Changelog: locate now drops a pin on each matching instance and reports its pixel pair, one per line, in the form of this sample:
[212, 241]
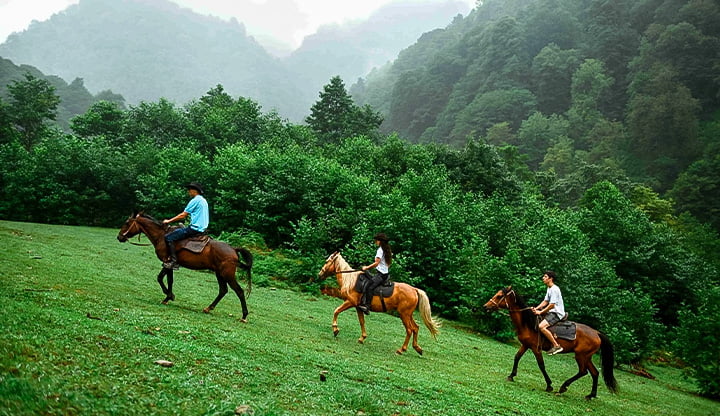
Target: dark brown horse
[405, 299]
[587, 342]
[216, 256]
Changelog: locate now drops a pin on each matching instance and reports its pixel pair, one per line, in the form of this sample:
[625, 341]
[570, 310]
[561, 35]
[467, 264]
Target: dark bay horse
[587, 342]
[405, 299]
[216, 256]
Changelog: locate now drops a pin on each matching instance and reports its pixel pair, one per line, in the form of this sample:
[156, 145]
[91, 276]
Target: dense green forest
[637, 252]
[614, 89]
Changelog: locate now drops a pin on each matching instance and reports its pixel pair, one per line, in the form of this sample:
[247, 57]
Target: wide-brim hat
[196, 186]
[381, 237]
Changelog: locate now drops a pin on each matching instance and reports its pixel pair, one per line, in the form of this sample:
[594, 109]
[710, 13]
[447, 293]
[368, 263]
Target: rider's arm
[176, 218]
[540, 309]
[377, 261]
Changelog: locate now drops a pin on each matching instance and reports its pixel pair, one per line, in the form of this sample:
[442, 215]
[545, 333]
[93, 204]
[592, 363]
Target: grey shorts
[552, 318]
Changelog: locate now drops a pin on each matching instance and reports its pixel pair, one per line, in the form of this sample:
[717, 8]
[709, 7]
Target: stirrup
[171, 265]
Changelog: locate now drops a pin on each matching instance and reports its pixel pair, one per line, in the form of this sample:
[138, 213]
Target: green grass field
[56, 359]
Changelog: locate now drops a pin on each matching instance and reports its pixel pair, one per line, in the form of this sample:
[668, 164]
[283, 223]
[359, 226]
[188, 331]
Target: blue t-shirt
[199, 213]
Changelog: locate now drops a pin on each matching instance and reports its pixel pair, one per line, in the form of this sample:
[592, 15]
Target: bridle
[140, 231]
[507, 304]
[323, 272]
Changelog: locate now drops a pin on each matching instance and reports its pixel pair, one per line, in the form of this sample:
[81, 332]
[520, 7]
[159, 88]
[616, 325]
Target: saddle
[195, 244]
[384, 290]
[564, 329]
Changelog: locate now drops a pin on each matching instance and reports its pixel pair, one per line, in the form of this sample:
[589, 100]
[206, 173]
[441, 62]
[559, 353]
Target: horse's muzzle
[121, 238]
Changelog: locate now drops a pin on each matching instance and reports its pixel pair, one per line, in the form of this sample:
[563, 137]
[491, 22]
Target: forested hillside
[75, 99]
[609, 88]
[152, 49]
[351, 50]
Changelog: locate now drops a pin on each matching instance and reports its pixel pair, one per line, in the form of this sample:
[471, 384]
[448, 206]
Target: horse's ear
[509, 288]
[140, 214]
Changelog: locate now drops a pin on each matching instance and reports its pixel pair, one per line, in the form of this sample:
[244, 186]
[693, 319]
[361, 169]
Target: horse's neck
[341, 266]
[153, 231]
[517, 316]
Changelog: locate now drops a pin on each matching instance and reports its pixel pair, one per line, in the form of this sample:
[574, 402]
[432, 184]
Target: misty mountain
[147, 49]
[353, 49]
[74, 97]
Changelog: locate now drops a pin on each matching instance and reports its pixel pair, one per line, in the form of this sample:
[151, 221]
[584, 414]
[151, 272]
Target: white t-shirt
[382, 267]
[554, 296]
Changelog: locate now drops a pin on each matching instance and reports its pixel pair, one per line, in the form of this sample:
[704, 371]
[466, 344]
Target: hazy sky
[287, 21]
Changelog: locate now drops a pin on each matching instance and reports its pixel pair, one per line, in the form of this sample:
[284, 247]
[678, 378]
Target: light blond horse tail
[432, 324]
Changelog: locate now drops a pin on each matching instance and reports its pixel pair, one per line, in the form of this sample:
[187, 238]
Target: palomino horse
[404, 299]
[587, 342]
[216, 256]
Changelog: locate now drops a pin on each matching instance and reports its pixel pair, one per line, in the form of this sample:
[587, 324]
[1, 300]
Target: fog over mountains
[148, 49]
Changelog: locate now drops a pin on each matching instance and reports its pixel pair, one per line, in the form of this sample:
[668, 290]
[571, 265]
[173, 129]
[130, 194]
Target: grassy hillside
[55, 359]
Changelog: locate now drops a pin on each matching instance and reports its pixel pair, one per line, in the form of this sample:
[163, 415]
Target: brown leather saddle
[195, 244]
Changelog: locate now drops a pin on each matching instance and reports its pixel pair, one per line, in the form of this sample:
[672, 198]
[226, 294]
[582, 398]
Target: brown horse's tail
[607, 354]
[432, 324]
[248, 259]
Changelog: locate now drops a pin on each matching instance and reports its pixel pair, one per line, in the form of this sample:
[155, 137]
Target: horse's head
[501, 300]
[330, 266]
[130, 229]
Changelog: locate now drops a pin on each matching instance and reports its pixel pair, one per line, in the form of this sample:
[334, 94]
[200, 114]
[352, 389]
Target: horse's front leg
[169, 295]
[361, 319]
[541, 365]
[518, 356]
[345, 306]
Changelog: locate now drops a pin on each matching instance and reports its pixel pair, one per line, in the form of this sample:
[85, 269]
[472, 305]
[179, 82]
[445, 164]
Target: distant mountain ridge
[147, 49]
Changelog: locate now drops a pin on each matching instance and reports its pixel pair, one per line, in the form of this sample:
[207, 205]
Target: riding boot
[172, 261]
[365, 303]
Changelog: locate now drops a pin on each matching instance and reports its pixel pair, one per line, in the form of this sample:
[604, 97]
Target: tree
[335, 116]
[32, 104]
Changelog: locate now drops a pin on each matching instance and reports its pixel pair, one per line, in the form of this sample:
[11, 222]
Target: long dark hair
[385, 245]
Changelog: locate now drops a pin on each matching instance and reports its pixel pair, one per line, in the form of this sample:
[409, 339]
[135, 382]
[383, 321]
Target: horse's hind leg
[169, 295]
[410, 329]
[241, 295]
[222, 291]
[582, 370]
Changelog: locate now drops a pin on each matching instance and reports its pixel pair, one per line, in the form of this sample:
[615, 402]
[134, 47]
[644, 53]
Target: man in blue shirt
[199, 214]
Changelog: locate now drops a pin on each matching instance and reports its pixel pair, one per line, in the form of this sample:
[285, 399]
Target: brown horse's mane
[529, 319]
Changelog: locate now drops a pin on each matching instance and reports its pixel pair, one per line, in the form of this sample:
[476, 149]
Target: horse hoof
[550, 389]
[590, 397]
[510, 378]
[563, 389]
[244, 320]
[206, 310]
[361, 341]
[165, 302]
[399, 352]
[419, 350]
[336, 332]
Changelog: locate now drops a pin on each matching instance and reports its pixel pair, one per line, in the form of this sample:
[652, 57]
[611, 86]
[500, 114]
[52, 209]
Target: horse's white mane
[348, 279]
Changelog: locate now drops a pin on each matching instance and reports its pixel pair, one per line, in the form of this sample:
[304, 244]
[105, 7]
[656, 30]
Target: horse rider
[199, 214]
[553, 309]
[383, 260]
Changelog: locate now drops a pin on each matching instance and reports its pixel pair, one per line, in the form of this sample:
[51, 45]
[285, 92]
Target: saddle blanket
[195, 244]
[564, 330]
[385, 289]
